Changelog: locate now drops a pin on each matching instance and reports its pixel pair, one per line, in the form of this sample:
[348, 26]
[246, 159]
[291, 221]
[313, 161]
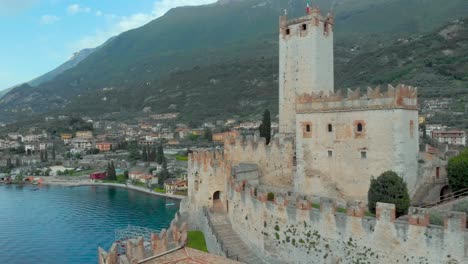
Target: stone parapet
[384, 235]
[401, 97]
[175, 236]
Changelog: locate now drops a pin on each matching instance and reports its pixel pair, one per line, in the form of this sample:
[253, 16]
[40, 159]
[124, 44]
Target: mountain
[218, 60]
[72, 62]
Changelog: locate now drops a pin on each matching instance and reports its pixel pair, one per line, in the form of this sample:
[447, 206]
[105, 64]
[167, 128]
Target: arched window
[288, 31]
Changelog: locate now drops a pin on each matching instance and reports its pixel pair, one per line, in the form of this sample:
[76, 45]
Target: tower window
[288, 31]
[307, 128]
[359, 127]
[330, 153]
[330, 128]
[363, 155]
[304, 26]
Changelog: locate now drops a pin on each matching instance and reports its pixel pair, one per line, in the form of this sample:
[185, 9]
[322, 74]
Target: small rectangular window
[330, 153]
[363, 155]
[330, 128]
[304, 27]
[307, 128]
[288, 31]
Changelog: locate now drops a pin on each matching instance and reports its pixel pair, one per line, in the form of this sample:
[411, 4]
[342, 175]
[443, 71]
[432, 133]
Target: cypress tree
[46, 156]
[145, 154]
[53, 153]
[160, 154]
[265, 127]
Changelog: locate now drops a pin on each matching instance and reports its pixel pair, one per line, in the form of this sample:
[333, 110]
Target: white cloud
[98, 13]
[49, 19]
[75, 9]
[125, 23]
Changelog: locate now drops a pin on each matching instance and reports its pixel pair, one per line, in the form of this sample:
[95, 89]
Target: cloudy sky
[39, 35]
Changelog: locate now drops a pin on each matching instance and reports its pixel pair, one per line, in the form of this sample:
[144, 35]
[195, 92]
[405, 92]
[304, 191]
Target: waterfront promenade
[75, 183]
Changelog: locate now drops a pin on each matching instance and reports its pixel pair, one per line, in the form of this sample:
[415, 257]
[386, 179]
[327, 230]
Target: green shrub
[457, 171]
[389, 188]
[271, 196]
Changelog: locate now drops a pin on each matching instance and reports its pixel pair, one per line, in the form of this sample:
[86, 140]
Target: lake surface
[67, 224]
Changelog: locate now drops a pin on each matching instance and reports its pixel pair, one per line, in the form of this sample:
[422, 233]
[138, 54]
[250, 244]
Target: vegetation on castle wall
[389, 188]
[457, 171]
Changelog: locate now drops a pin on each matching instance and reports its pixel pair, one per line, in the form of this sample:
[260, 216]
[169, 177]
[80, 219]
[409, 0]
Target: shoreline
[120, 185]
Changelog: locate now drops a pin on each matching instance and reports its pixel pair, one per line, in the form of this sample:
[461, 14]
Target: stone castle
[329, 145]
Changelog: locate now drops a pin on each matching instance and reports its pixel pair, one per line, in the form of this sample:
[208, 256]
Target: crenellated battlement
[413, 237]
[204, 158]
[403, 96]
[315, 13]
[249, 145]
[135, 250]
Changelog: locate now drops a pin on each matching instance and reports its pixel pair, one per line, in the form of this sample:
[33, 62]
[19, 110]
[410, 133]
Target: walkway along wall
[289, 230]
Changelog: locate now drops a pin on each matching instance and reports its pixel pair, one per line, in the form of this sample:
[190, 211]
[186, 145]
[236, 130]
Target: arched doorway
[444, 193]
[217, 203]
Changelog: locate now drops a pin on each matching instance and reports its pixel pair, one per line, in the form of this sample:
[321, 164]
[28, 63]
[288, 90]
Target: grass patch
[341, 210]
[314, 205]
[181, 158]
[196, 240]
[160, 190]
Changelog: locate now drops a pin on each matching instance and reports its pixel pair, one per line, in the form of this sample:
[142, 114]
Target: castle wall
[275, 161]
[305, 62]
[341, 143]
[207, 172]
[331, 163]
[289, 230]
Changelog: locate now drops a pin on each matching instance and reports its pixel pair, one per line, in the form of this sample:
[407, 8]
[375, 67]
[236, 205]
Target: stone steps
[232, 242]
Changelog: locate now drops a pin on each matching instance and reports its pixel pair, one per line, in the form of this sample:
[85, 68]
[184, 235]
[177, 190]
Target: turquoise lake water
[67, 224]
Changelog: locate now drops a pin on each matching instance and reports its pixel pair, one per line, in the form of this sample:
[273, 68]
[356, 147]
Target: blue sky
[39, 35]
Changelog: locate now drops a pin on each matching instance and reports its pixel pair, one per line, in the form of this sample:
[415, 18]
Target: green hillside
[221, 59]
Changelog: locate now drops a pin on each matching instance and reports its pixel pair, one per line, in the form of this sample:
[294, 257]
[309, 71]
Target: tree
[46, 156]
[389, 188]
[17, 162]
[53, 153]
[164, 174]
[111, 175]
[42, 156]
[160, 154]
[152, 154]
[144, 156]
[208, 134]
[126, 174]
[457, 171]
[134, 152]
[265, 127]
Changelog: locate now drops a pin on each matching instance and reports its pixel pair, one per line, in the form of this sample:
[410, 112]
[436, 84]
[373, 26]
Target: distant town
[67, 155]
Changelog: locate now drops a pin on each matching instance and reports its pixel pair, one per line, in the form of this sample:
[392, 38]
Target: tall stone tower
[305, 62]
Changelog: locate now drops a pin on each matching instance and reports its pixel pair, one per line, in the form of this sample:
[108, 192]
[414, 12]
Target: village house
[452, 137]
[104, 146]
[81, 144]
[84, 134]
[66, 138]
[220, 137]
[175, 185]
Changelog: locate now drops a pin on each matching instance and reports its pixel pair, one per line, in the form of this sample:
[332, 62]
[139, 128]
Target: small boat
[34, 189]
[170, 204]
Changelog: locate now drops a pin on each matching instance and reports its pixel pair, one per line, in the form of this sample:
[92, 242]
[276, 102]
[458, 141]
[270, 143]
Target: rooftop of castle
[314, 13]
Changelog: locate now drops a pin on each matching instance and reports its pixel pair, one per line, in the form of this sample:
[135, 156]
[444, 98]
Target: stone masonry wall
[275, 161]
[289, 230]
